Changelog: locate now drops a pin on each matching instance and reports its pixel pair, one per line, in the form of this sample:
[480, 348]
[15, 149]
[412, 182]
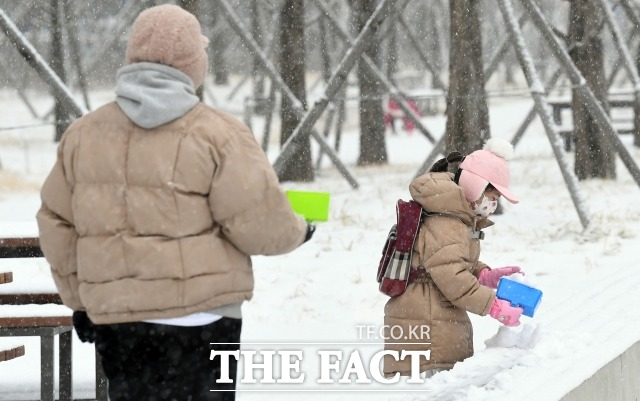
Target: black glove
[311, 228]
[84, 327]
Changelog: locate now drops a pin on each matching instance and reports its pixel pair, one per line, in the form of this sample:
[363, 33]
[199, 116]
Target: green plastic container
[314, 206]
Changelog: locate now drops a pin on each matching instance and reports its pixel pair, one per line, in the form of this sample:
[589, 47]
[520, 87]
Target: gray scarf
[153, 94]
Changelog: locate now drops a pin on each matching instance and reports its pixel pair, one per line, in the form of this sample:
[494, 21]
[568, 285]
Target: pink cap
[487, 166]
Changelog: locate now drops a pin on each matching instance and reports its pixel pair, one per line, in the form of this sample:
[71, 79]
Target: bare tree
[74, 44]
[218, 47]
[373, 149]
[636, 114]
[292, 69]
[594, 158]
[61, 113]
[392, 53]
[435, 44]
[467, 111]
[256, 69]
[325, 54]
[192, 7]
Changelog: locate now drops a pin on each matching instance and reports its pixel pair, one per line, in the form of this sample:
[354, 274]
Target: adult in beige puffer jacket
[151, 212]
[451, 281]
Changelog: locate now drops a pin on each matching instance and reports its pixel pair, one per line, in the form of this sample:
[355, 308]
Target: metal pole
[600, 116]
[542, 107]
[615, 67]
[12, 78]
[47, 358]
[65, 357]
[337, 80]
[488, 72]
[551, 83]
[269, 51]
[270, 70]
[394, 92]
[629, 64]
[631, 13]
[327, 131]
[416, 45]
[438, 148]
[619, 42]
[501, 53]
[268, 118]
[123, 20]
[35, 60]
[532, 113]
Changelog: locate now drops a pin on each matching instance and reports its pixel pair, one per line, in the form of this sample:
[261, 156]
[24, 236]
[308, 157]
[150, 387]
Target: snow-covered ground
[324, 292]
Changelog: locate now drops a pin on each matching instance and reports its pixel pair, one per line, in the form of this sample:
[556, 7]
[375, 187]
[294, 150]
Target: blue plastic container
[518, 294]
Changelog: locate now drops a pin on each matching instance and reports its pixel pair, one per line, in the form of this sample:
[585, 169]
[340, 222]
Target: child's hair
[442, 165]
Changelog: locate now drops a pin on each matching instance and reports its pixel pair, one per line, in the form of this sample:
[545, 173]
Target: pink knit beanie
[487, 166]
[169, 35]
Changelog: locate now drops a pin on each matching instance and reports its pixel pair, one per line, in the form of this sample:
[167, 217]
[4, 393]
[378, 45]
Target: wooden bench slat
[35, 321]
[19, 242]
[563, 130]
[26, 247]
[25, 299]
[6, 278]
[614, 102]
[21, 252]
[12, 353]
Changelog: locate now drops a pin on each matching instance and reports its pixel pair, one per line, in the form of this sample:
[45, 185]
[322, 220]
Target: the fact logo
[356, 370]
[323, 364]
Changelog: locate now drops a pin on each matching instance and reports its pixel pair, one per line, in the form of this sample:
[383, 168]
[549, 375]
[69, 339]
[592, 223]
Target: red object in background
[408, 124]
[393, 112]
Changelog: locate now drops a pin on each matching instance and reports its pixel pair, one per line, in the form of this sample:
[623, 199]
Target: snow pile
[526, 336]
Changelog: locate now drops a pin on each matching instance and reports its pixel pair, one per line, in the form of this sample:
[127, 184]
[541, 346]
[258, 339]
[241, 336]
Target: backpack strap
[409, 217]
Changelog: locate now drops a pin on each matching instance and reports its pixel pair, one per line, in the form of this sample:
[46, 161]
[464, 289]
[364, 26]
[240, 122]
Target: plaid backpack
[395, 264]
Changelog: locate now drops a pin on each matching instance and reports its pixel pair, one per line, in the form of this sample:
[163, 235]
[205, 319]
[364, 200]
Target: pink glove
[506, 314]
[490, 277]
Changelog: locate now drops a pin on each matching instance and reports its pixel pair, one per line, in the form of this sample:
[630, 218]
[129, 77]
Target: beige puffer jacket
[158, 223]
[438, 302]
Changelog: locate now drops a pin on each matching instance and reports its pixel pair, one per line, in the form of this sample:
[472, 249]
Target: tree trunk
[192, 7]
[467, 111]
[594, 158]
[636, 112]
[509, 66]
[325, 55]
[435, 45]
[292, 68]
[256, 32]
[71, 24]
[218, 46]
[61, 113]
[373, 149]
[392, 53]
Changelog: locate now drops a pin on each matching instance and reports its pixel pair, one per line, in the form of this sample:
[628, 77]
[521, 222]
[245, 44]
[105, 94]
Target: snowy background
[323, 291]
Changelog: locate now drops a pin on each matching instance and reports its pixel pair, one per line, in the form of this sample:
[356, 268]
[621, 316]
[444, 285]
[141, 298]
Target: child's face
[491, 193]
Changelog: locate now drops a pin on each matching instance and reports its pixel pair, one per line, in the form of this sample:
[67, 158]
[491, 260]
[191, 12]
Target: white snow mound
[526, 336]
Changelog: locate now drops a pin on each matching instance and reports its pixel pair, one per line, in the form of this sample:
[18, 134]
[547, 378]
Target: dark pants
[153, 362]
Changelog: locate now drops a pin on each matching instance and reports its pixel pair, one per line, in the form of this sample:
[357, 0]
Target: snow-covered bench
[9, 353]
[30, 306]
[41, 315]
[22, 247]
[6, 278]
[565, 131]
